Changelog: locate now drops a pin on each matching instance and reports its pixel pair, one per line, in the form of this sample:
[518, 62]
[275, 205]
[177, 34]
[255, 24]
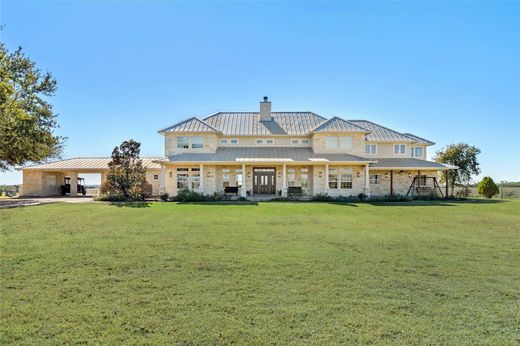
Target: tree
[27, 121]
[126, 178]
[487, 187]
[463, 156]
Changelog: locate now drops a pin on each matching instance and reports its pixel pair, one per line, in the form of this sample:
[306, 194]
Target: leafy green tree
[463, 156]
[488, 188]
[126, 178]
[27, 121]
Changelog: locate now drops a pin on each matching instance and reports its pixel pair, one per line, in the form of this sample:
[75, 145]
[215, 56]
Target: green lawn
[277, 273]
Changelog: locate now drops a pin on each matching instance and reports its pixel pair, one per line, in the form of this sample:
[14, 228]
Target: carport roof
[87, 164]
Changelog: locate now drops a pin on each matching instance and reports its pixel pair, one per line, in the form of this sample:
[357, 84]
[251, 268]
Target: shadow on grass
[131, 204]
[255, 203]
[437, 203]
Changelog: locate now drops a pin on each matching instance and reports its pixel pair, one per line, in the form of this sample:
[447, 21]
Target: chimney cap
[265, 98]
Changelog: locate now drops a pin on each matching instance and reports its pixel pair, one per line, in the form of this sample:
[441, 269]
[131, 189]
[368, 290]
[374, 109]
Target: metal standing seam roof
[249, 124]
[419, 140]
[408, 162]
[336, 124]
[380, 133]
[88, 163]
[267, 154]
[190, 125]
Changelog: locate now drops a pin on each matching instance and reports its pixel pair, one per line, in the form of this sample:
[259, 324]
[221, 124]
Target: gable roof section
[337, 124]
[191, 125]
[249, 124]
[380, 133]
[419, 140]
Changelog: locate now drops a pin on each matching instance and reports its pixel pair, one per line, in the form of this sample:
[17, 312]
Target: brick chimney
[265, 110]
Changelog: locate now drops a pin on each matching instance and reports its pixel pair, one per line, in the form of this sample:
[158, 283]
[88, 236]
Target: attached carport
[46, 179]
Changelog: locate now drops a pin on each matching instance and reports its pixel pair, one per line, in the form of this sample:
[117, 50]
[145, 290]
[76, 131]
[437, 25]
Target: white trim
[370, 151]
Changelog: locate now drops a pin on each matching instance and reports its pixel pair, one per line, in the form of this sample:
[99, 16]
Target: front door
[264, 181]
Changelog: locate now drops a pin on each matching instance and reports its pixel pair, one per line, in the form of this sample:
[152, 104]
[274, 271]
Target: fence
[505, 192]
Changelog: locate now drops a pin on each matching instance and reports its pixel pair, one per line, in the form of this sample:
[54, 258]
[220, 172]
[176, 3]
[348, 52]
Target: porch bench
[295, 190]
[231, 190]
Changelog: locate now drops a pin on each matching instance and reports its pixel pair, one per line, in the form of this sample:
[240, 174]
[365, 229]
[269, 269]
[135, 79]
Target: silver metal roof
[267, 154]
[88, 163]
[408, 162]
[191, 125]
[419, 140]
[248, 123]
[380, 133]
[339, 125]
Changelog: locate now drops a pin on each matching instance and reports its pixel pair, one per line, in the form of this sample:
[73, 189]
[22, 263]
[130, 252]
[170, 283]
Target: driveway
[28, 201]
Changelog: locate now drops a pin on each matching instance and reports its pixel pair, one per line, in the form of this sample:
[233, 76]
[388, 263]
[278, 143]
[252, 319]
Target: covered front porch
[266, 179]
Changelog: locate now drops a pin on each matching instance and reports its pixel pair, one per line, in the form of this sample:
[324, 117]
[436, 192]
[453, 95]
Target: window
[346, 181]
[370, 149]
[197, 142]
[417, 151]
[240, 177]
[182, 178]
[399, 149]
[156, 176]
[295, 141]
[422, 180]
[333, 178]
[291, 177]
[234, 141]
[183, 142]
[265, 141]
[225, 177]
[195, 178]
[305, 141]
[223, 141]
[304, 177]
[374, 179]
[344, 142]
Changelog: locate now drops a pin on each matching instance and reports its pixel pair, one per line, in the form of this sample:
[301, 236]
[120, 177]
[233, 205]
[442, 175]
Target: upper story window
[370, 149]
[343, 142]
[229, 141]
[197, 142]
[265, 141]
[295, 141]
[183, 142]
[187, 142]
[305, 141]
[417, 151]
[399, 149]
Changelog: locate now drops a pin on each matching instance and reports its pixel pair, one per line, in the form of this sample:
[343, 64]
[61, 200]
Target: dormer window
[399, 149]
[190, 142]
[183, 143]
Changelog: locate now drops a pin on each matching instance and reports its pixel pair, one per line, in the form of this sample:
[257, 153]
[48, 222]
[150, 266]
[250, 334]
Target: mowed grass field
[269, 273]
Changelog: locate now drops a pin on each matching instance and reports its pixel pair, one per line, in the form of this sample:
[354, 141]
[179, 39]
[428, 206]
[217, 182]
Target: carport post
[73, 184]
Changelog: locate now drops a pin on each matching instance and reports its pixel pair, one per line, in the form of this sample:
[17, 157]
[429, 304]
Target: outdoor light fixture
[409, 175]
[320, 174]
[279, 174]
[249, 174]
[208, 174]
[358, 174]
[386, 175]
[170, 174]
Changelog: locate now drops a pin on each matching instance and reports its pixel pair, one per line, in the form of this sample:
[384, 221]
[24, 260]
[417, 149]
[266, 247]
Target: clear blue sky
[446, 71]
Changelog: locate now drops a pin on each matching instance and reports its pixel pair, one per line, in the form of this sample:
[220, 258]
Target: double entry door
[264, 181]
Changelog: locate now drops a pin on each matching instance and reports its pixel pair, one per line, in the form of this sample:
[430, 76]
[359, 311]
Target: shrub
[164, 196]
[463, 193]
[321, 197]
[186, 195]
[488, 188]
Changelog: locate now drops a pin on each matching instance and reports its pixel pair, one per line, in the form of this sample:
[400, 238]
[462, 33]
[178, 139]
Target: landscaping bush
[488, 188]
[321, 197]
[164, 196]
[186, 195]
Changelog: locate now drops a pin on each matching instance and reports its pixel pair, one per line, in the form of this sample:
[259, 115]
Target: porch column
[162, 188]
[284, 181]
[326, 178]
[243, 189]
[367, 180]
[103, 177]
[201, 188]
[391, 183]
[73, 184]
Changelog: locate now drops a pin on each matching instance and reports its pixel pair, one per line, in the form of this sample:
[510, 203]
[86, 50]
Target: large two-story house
[270, 153]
